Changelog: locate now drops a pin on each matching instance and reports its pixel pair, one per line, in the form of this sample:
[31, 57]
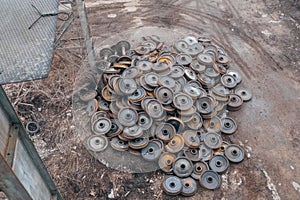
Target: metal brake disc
[177, 71]
[182, 101]
[165, 161]
[127, 116]
[140, 142]
[152, 45]
[132, 132]
[182, 167]
[228, 125]
[144, 121]
[152, 151]
[131, 72]
[115, 130]
[183, 59]
[164, 95]
[154, 109]
[191, 138]
[219, 163]
[176, 144]
[196, 122]
[213, 124]
[101, 126]
[138, 95]
[236, 75]
[98, 115]
[234, 153]
[235, 102]
[228, 81]
[192, 91]
[190, 74]
[245, 94]
[172, 185]
[199, 169]
[118, 144]
[210, 180]
[196, 66]
[127, 85]
[144, 66]
[211, 72]
[189, 187]
[166, 81]
[165, 132]
[96, 143]
[205, 105]
[181, 45]
[205, 59]
[213, 140]
[152, 79]
[205, 153]
[192, 154]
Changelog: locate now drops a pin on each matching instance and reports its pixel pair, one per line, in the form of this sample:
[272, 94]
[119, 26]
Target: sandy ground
[262, 38]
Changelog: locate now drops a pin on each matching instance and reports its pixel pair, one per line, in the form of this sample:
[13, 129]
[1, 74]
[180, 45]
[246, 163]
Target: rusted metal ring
[182, 167]
[165, 161]
[189, 187]
[210, 180]
[219, 163]
[245, 94]
[228, 125]
[182, 101]
[176, 144]
[191, 139]
[234, 153]
[213, 140]
[97, 143]
[101, 126]
[127, 116]
[172, 185]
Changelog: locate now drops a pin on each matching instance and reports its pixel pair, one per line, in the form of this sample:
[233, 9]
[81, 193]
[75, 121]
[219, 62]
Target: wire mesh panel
[26, 48]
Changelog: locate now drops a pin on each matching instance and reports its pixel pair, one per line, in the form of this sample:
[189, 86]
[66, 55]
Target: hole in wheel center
[234, 152]
[227, 125]
[187, 185]
[218, 163]
[150, 150]
[101, 125]
[172, 184]
[204, 105]
[165, 132]
[209, 179]
[199, 168]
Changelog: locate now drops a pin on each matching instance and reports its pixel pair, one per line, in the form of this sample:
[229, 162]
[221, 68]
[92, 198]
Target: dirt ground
[262, 38]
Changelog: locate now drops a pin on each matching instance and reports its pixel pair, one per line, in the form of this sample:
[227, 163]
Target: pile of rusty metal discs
[168, 104]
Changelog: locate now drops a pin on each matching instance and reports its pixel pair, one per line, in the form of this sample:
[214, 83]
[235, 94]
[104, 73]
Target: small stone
[292, 167]
[111, 195]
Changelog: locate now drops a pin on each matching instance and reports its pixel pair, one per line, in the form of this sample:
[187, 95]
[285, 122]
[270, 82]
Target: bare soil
[262, 38]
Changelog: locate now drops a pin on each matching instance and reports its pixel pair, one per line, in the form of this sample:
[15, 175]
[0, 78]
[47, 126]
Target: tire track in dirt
[260, 49]
[266, 57]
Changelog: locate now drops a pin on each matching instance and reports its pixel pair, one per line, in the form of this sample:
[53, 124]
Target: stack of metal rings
[168, 104]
